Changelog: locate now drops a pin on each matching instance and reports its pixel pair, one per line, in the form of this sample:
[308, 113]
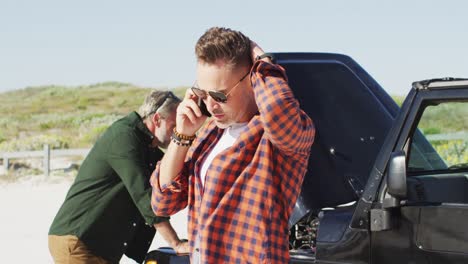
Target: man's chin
[222, 124]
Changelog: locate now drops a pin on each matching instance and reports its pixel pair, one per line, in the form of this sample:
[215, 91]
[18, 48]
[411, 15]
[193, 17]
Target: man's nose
[211, 103]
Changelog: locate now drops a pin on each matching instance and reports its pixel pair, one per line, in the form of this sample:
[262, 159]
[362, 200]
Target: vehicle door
[430, 223]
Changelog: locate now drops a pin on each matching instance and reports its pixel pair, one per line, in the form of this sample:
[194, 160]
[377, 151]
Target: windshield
[441, 141]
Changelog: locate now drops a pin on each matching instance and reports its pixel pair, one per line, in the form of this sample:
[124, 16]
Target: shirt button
[125, 244]
[134, 224]
[151, 164]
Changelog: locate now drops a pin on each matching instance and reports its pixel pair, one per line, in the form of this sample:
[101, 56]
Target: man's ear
[156, 119]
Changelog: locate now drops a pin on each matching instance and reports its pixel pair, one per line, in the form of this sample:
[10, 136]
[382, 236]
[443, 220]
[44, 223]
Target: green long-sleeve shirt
[109, 202]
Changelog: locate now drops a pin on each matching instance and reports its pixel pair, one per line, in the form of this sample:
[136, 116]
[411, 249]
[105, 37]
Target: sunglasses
[219, 97]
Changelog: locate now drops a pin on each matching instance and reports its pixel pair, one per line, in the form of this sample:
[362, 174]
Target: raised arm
[287, 126]
[189, 120]
[170, 178]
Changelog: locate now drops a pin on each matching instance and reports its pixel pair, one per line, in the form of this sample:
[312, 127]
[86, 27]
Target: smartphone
[203, 108]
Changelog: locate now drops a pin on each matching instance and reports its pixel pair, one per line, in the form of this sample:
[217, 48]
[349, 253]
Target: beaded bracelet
[182, 136]
[181, 142]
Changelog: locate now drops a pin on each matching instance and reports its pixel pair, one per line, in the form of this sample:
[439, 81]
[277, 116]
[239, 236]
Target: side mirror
[396, 179]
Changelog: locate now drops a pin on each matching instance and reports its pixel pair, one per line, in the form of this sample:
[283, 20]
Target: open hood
[352, 115]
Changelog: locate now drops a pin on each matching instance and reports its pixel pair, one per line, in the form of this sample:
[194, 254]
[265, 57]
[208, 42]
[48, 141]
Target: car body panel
[427, 231]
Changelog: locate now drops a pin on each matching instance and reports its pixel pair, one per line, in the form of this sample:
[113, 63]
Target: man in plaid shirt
[241, 175]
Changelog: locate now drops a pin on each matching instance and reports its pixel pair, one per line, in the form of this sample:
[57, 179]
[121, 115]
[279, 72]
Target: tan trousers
[70, 250]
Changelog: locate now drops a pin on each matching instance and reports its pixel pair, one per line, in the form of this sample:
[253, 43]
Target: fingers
[189, 94]
[192, 101]
[190, 109]
[255, 50]
[189, 116]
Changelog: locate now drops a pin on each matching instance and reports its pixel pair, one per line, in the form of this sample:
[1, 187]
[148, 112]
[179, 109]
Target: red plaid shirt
[241, 215]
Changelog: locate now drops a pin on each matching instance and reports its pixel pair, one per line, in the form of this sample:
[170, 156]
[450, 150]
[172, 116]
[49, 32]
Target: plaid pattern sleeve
[168, 199]
[286, 125]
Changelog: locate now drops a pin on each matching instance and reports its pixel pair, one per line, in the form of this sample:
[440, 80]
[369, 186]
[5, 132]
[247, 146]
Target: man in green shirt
[107, 211]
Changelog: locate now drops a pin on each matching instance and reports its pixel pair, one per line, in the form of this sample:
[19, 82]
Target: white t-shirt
[228, 138]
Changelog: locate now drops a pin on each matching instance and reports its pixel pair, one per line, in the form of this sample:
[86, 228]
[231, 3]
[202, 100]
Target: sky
[151, 43]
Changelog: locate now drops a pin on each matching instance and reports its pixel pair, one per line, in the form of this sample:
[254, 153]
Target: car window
[441, 140]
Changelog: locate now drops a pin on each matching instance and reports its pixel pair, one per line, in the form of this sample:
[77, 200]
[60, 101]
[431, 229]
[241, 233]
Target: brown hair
[223, 43]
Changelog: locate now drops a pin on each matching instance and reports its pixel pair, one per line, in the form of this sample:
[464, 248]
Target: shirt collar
[141, 126]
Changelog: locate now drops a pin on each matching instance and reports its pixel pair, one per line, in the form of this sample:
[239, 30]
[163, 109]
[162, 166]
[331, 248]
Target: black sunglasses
[219, 97]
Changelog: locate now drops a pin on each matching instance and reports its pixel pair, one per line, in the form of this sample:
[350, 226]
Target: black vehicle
[383, 185]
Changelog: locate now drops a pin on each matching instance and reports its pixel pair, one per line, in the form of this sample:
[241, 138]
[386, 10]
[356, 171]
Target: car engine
[303, 235]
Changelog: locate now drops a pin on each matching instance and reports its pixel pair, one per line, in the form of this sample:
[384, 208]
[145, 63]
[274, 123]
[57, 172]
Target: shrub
[431, 131]
[453, 152]
[35, 142]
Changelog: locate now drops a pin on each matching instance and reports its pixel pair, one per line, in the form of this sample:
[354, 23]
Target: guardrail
[46, 154]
